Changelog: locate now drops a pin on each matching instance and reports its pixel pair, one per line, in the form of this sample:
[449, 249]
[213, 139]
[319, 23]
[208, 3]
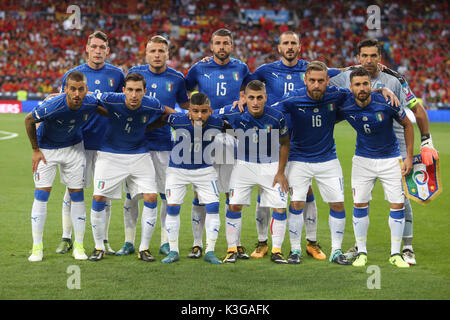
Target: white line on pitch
[9, 135]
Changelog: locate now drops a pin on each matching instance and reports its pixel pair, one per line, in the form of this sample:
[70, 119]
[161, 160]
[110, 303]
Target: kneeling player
[261, 162]
[377, 155]
[194, 132]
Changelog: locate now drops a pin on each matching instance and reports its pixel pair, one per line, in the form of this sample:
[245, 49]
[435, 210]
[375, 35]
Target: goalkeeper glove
[427, 150]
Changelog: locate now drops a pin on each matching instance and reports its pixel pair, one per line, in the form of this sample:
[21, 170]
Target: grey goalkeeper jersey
[382, 80]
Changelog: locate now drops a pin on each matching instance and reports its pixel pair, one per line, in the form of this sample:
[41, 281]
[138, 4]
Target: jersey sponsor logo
[275, 74]
[352, 117]
[301, 109]
[207, 75]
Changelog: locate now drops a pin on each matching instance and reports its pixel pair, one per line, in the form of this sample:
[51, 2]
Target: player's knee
[150, 197]
[397, 206]
[361, 205]
[297, 205]
[235, 207]
[42, 195]
[337, 206]
[99, 198]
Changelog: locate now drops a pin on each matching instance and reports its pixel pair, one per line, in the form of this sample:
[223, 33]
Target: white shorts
[365, 172]
[161, 162]
[136, 170]
[224, 165]
[328, 176]
[71, 162]
[204, 182]
[246, 175]
[91, 157]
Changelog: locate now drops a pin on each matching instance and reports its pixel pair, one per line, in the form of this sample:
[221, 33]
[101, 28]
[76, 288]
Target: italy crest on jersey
[169, 86]
[236, 76]
[423, 183]
[379, 116]
[145, 119]
[111, 82]
[331, 107]
[268, 128]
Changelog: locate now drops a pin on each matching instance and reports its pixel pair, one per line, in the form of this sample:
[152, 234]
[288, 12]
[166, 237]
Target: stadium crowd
[37, 45]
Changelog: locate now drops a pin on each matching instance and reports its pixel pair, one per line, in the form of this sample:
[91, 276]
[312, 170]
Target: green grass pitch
[129, 278]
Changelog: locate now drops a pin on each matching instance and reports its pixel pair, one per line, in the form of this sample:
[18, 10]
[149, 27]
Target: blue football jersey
[375, 137]
[280, 79]
[169, 88]
[107, 79]
[126, 128]
[61, 126]
[192, 140]
[312, 123]
[257, 141]
[222, 84]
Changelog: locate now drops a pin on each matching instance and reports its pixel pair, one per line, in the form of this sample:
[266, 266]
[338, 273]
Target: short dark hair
[99, 35]
[222, 33]
[256, 85]
[369, 43]
[316, 66]
[76, 76]
[134, 76]
[359, 72]
[199, 98]
[290, 33]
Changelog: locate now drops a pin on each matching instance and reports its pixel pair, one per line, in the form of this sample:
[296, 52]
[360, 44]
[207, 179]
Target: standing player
[101, 77]
[221, 79]
[280, 77]
[58, 142]
[194, 133]
[313, 155]
[259, 162]
[168, 86]
[369, 56]
[377, 155]
[124, 157]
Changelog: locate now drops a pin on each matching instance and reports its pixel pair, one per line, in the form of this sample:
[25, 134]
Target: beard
[293, 55]
[222, 55]
[316, 94]
[363, 96]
